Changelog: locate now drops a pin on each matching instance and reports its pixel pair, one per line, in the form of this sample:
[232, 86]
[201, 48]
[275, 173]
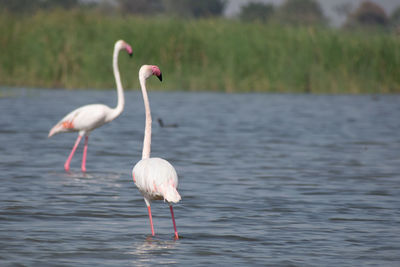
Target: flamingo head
[148, 70]
[121, 44]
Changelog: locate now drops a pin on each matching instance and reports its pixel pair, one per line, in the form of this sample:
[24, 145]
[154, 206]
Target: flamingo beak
[160, 77]
[129, 50]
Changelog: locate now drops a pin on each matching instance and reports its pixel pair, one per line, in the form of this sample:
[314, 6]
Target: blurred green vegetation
[73, 49]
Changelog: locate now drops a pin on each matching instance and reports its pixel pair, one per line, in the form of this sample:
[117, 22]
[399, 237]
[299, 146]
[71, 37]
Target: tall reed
[72, 49]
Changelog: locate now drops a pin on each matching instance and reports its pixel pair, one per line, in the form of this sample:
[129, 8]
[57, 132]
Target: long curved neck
[120, 91]
[147, 130]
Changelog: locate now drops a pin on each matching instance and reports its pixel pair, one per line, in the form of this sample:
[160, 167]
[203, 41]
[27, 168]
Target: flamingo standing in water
[89, 117]
[156, 178]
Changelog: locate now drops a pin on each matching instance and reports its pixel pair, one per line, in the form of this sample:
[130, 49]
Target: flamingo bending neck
[120, 90]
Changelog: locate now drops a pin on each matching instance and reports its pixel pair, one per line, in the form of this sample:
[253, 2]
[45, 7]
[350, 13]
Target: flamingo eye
[156, 70]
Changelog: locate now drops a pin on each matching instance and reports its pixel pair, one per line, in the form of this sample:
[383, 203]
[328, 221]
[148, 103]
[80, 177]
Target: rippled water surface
[269, 180]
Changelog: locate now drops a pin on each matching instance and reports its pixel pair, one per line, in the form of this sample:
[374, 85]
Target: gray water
[269, 180]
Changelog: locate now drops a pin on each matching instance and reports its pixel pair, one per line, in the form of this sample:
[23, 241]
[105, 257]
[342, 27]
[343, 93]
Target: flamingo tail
[171, 195]
[56, 129]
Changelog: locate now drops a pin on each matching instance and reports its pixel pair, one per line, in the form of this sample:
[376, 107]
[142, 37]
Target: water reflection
[78, 175]
[148, 250]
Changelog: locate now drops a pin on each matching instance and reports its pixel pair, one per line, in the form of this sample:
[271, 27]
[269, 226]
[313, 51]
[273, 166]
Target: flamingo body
[83, 119]
[156, 179]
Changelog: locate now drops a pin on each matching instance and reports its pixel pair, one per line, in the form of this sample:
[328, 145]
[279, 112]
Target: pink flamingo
[156, 178]
[89, 117]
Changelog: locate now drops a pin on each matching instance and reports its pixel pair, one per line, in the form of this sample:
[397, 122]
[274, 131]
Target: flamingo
[156, 178]
[89, 117]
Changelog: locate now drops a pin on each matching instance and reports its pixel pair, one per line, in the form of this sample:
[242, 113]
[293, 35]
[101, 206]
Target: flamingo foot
[84, 154]
[173, 222]
[66, 167]
[151, 220]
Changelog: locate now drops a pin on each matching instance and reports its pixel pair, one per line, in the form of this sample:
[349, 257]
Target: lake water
[265, 179]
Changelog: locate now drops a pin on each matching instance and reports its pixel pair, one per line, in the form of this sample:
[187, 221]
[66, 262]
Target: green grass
[73, 49]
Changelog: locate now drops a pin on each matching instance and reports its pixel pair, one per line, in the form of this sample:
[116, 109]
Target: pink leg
[84, 154]
[173, 222]
[66, 165]
[151, 220]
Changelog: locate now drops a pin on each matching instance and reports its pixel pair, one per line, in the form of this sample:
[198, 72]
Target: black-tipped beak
[160, 77]
[130, 54]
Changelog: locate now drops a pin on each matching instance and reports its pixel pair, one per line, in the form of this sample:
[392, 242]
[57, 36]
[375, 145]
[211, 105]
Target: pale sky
[328, 7]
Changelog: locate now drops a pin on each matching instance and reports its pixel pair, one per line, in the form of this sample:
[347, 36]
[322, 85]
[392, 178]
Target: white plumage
[156, 179]
[83, 119]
